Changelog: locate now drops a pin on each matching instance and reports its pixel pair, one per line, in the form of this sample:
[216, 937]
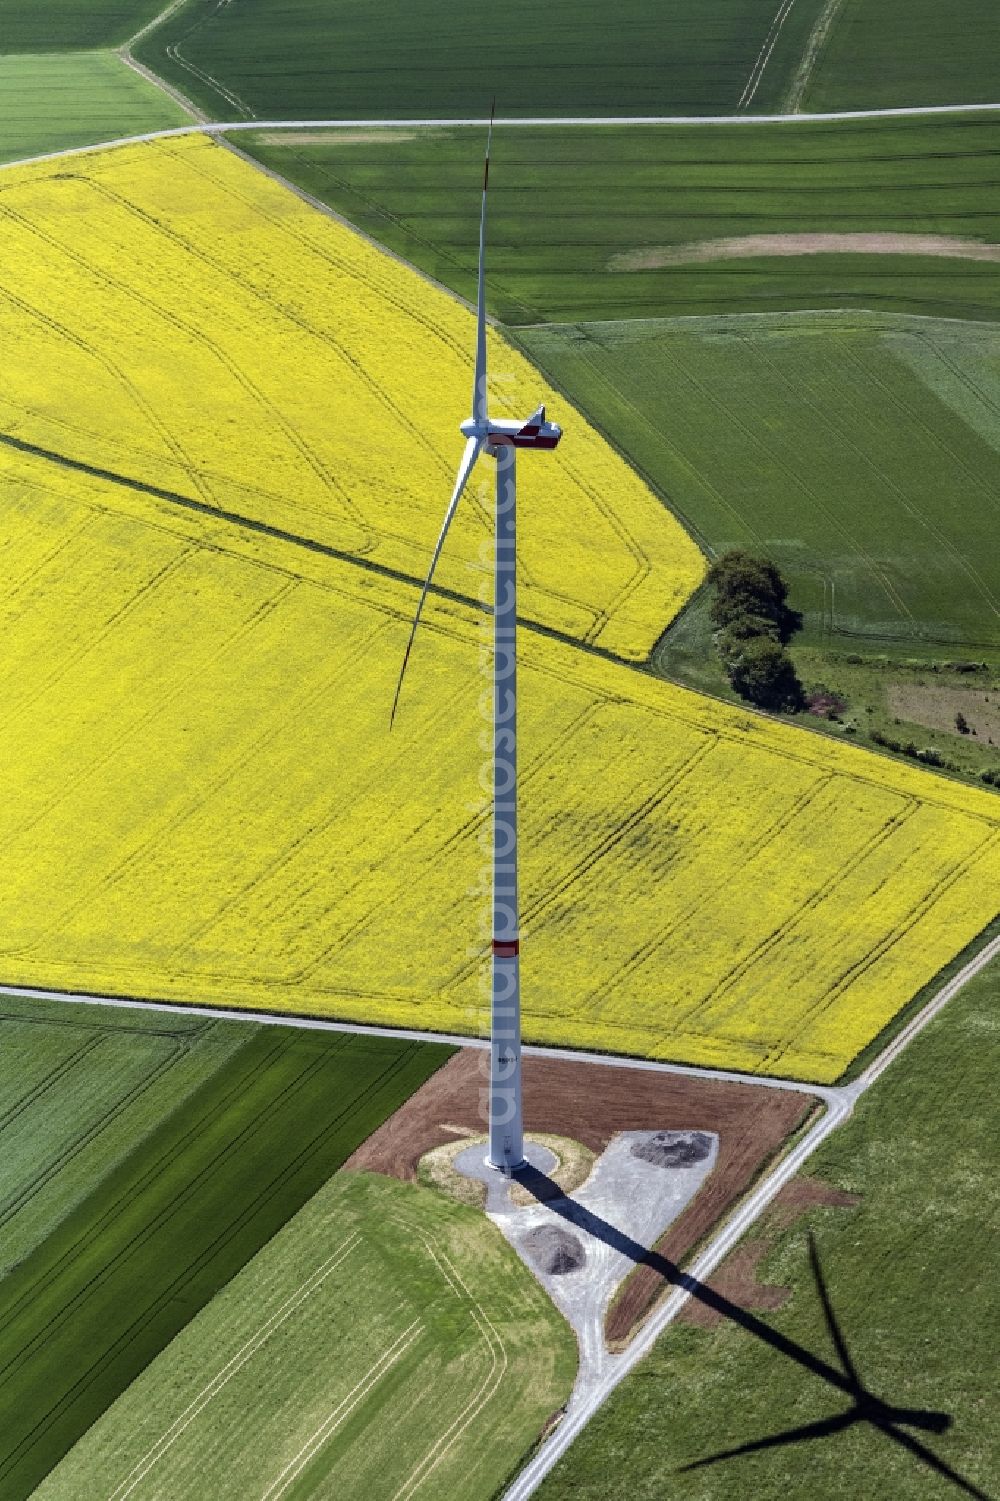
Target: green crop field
[886, 53]
[914, 1278]
[861, 452]
[443, 58]
[145, 1160]
[64, 25]
[387, 1343]
[49, 102]
[590, 223]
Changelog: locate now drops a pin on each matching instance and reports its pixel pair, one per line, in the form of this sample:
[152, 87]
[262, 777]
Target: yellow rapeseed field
[201, 797]
[171, 314]
[203, 802]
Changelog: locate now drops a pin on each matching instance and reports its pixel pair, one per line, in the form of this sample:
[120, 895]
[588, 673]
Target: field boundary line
[127, 56]
[152, 25]
[246, 1352]
[343, 1410]
[181, 100]
[411, 1034]
[227, 127]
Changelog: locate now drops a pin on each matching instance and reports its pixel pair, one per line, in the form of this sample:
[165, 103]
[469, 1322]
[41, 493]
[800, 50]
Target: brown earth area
[935, 707]
[746, 247]
[737, 1277]
[591, 1103]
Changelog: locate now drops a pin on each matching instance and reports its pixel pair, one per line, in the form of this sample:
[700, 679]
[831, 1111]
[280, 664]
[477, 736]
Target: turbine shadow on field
[294, 539]
[865, 1406]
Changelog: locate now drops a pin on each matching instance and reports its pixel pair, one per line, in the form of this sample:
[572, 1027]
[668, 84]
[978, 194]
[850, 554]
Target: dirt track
[591, 1104]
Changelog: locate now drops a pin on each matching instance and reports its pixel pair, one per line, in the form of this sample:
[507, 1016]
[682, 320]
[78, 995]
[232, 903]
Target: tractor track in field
[839, 1102]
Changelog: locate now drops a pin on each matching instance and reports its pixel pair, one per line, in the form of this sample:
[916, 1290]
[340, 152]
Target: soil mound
[554, 1250]
[674, 1148]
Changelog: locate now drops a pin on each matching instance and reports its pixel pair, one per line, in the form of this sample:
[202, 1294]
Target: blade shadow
[821, 1429]
[865, 1406]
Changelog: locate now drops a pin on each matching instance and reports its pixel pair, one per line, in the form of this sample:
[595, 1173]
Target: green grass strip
[154, 1242]
[51, 102]
[914, 1281]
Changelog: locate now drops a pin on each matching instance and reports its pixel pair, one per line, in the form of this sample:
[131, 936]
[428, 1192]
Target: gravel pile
[554, 1250]
[674, 1148]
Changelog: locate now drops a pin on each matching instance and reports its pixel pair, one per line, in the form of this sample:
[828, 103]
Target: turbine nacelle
[537, 432]
[480, 431]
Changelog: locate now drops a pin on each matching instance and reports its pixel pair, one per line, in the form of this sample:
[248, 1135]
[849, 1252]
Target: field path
[129, 59]
[825, 1092]
[216, 127]
[814, 46]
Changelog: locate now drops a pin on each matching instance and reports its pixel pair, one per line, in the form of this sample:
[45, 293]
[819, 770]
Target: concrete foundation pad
[472, 1163]
[581, 1246]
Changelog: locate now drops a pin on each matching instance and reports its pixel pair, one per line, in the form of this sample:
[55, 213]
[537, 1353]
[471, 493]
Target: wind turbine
[498, 438]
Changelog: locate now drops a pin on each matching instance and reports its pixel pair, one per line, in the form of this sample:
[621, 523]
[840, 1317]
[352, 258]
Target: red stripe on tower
[506, 948]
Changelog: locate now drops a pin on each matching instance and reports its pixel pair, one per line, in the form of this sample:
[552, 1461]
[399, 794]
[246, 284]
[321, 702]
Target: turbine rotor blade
[473, 448]
[479, 383]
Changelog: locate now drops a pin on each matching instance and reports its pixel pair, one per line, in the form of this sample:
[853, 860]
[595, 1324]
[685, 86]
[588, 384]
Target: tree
[751, 597]
[754, 622]
[961, 723]
[762, 672]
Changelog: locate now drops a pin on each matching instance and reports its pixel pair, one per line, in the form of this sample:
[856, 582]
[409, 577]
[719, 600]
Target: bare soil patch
[824, 704]
[591, 1103]
[935, 706]
[746, 247]
[737, 1278]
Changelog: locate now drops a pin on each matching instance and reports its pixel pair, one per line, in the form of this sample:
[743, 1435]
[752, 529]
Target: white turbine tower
[500, 439]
